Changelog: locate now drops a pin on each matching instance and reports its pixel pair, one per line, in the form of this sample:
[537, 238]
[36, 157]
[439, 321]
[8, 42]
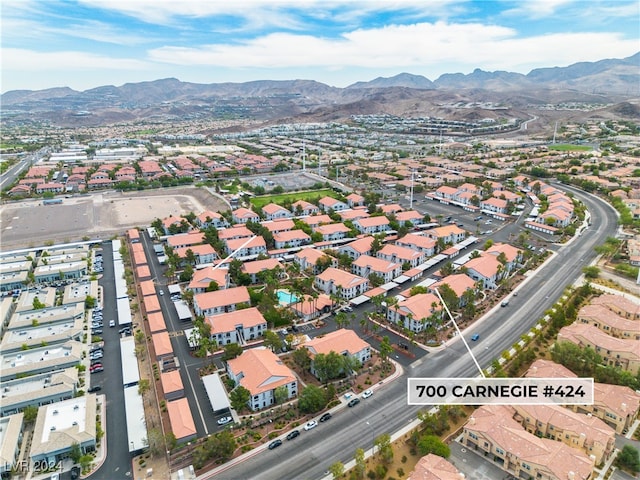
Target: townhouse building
[409, 217]
[308, 259]
[618, 304]
[360, 246]
[342, 284]
[491, 431]
[276, 226]
[273, 211]
[316, 220]
[235, 232]
[366, 265]
[416, 313]
[220, 301]
[584, 432]
[290, 239]
[343, 341]
[254, 247]
[401, 255]
[449, 234]
[419, 243]
[333, 231]
[261, 371]
[327, 204]
[240, 326]
[609, 322]
[244, 215]
[209, 218]
[185, 240]
[494, 205]
[486, 269]
[352, 215]
[302, 208]
[434, 467]
[355, 200]
[372, 225]
[202, 254]
[616, 352]
[254, 268]
[203, 278]
[459, 283]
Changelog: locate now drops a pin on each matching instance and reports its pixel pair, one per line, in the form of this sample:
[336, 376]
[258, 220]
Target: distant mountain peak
[407, 80]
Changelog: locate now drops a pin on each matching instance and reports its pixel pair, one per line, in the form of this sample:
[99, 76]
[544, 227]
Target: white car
[310, 425]
[112, 323]
[225, 420]
[367, 393]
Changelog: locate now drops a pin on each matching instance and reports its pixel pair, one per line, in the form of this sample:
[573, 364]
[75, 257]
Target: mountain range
[605, 81]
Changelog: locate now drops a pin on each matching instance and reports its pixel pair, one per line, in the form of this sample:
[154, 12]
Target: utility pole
[411, 191]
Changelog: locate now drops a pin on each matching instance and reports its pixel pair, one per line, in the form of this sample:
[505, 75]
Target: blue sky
[87, 43]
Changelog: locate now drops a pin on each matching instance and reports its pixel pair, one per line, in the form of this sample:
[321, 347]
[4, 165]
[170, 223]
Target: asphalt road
[310, 455]
[117, 464]
[16, 169]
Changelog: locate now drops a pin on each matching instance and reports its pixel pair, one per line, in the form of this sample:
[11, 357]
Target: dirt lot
[99, 215]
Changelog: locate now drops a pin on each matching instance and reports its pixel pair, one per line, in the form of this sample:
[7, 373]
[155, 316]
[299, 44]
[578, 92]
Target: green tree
[360, 464]
[449, 297]
[383, 443]
[90, 302]
[591, 272]
[312, 399]
[272, 341]
[281, 394]
[385, 348]
[239, 397]
[301, 358]
[143, 386]
[629, 459]
[75, 453]
[30, 413]
[170, 440]
[231, 351]
[37, 304]
[432, 444]
[337, 469]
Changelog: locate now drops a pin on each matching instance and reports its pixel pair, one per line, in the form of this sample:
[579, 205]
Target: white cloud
[262, 11]
[404, 46]
[23, 60]
[538, 8]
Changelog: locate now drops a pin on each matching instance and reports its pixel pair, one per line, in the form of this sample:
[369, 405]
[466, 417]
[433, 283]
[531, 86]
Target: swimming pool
[285, 297]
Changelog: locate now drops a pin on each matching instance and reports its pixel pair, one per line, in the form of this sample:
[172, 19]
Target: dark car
[96, 388]
[353, 402]
[293, 434]
[75, 472]
[275, 444]
[325, 417]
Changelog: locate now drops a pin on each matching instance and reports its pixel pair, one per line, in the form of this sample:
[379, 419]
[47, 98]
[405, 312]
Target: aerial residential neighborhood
[279, 265]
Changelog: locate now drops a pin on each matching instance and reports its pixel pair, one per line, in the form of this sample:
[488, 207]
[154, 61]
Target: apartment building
[416, 313]
[239, 326]
[617, 352]
[492, 431]
[261, 371]
[340, 283]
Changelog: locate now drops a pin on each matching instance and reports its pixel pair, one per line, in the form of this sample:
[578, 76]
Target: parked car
[310, 425]
[95, 388]
[75, 473]
[225, 420]
[293, 434]
[112, 323]
[367, 393]
[353, 402]
[325, 417]
[275, 444]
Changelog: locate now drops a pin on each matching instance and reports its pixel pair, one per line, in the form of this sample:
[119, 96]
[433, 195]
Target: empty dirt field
[99, 215]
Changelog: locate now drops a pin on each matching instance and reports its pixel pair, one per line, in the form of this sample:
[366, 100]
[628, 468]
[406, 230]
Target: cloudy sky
[87, 43]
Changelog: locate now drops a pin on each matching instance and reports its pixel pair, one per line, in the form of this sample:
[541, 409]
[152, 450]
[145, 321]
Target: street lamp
[373, 439]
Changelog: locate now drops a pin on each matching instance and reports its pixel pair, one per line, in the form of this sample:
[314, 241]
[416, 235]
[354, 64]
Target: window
[473, 435]
[526, 467]
[499, 451]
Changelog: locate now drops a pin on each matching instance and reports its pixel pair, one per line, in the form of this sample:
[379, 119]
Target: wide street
[310, 455]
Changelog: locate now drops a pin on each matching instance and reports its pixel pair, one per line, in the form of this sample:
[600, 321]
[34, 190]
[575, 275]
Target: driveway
[474, 466]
